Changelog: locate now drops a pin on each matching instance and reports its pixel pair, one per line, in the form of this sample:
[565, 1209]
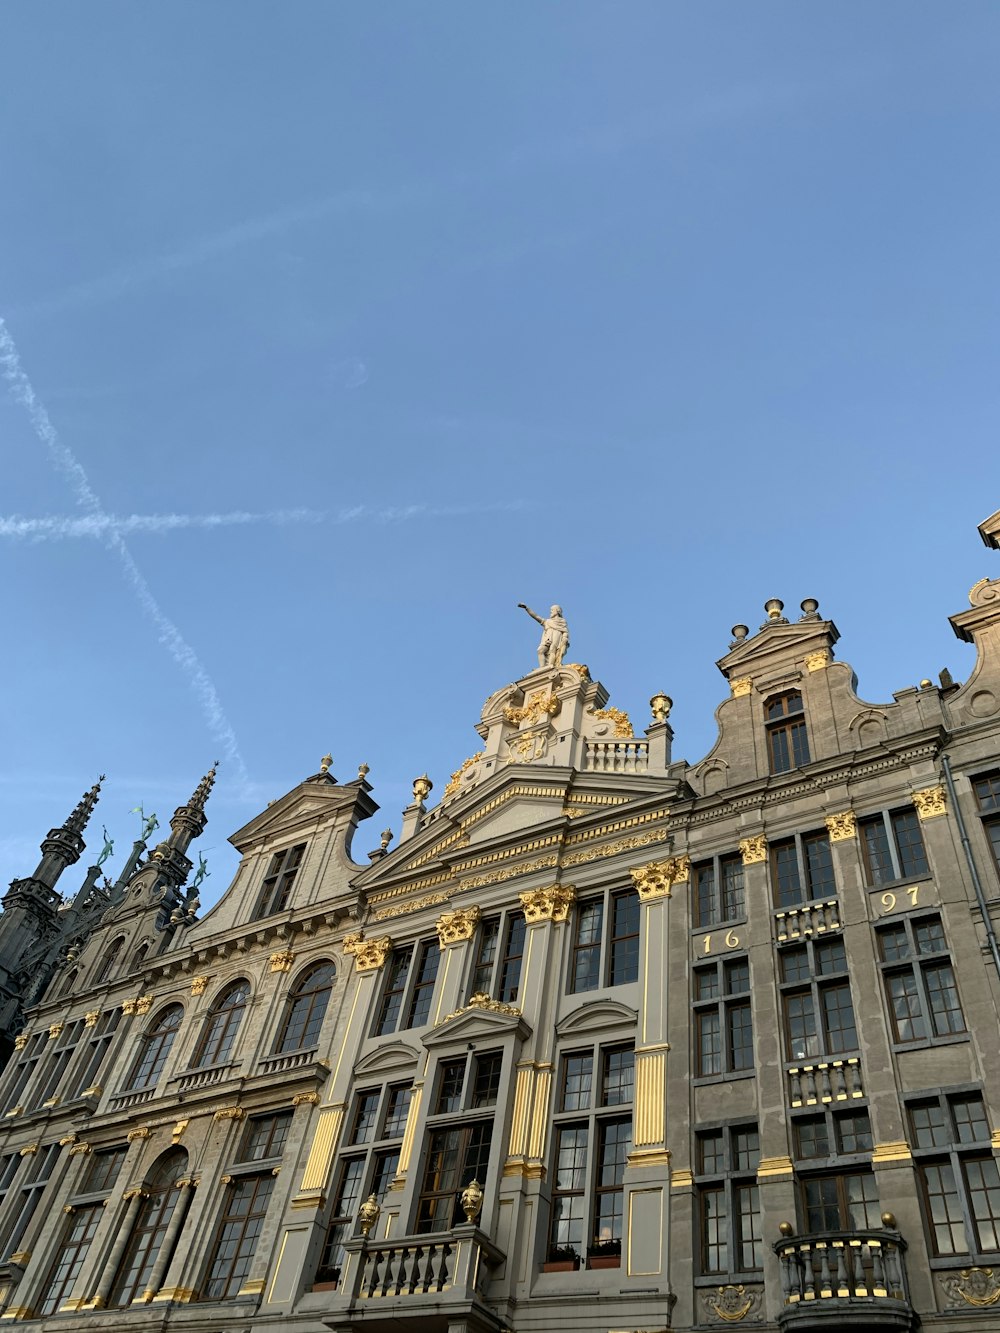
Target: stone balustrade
[801, 923]
[616, 756]
[832, 1276]
[824, 1081]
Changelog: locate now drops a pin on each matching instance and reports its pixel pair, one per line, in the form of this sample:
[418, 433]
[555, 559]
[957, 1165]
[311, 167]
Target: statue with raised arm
[201, 874]
[109, 847]
[555, 636]
[149, 822]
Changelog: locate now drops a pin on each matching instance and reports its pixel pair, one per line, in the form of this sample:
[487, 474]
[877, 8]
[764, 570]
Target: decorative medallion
[551, 904]
[974, 1286]
[842, 826]
[753, 849]
[453, 927]
[930, 802]
[731, 1303]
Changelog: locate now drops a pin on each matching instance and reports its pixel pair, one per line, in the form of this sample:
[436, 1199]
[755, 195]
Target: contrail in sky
[170, 636]
[102, 525]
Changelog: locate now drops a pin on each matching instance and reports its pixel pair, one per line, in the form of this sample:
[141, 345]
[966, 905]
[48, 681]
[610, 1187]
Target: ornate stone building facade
[609, 1041]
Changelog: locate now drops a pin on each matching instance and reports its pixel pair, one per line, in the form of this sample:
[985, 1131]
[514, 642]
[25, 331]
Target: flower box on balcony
[562, 1259]
[607, 1254]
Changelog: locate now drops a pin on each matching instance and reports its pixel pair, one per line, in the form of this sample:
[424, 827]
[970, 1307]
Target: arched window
[155, 1047]
[307, 1007]
[149, 1230]
[139, 957]
[222, 1025]
[109, 960]
[69, 982]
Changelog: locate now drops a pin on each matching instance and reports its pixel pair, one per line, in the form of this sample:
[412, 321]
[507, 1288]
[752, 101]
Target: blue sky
[655, 310]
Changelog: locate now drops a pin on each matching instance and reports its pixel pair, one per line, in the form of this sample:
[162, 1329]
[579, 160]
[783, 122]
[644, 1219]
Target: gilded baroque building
[608, 1042]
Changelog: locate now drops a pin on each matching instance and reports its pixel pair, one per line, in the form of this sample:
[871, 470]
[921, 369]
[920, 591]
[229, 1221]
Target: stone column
[185, 1186]
[133, 1198]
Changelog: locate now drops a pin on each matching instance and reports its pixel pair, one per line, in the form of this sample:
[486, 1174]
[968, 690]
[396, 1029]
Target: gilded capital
[20, 1041]
[90, 1018]
[753, 849]
[819, 660]
[656, 879]
[139, 1133]
[842, 827]
[143, 1004]
[306, 1099]
[54, 1031]
[369, 955]
[129, 1007]
[229, 1113]
[199, 985]
[743, 685]
[454, 927]
[80, 1150]
[282, 960]
[930, 802]
[551, 904]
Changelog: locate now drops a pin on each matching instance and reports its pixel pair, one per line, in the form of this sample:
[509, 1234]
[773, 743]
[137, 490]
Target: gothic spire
[203, 789]
[77, 821]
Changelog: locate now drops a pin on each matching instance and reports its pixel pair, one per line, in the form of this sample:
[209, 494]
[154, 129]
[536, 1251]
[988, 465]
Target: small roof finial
[422, 788]
[363, 771]
[325, 762]
[774, 608]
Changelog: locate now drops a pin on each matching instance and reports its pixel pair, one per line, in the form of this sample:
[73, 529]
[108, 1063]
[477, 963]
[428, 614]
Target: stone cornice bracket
[657, 878]
[455, 927]
[140, 1132]
[930, 802]
[842, 827]
[369, 955]
[228, 1113]
[282, 960]
[551, 904]
[753, 849]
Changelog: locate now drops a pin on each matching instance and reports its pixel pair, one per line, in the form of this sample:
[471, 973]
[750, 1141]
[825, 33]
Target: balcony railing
[838, 1274]
[201, 1078]
[616, 756]
[823, 1081]
[393, 1278]
[802, 923]
[278, 1064]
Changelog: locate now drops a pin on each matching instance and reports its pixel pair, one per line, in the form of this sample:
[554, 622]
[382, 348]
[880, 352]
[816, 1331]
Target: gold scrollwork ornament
[731, 1303]
[975, 1286]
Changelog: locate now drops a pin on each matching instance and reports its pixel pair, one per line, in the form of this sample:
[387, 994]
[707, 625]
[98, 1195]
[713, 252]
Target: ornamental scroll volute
[656, 880]
[551, 904]
[731, 1303]
[369, 955]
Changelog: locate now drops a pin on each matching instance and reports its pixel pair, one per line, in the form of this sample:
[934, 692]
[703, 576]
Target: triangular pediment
[777, 645]
[312, 802]
[478, 1023]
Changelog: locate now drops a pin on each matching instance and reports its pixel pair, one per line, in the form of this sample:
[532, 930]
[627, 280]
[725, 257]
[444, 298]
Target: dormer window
[787, 742]
[279, 880]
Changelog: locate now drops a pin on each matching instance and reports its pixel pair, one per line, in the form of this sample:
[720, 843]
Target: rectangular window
[723, 1035]
[397, 1109]
[486, 1078]
[497, 973]
[96, 1052]
[830, 1134]
[279, 879]
[41, 1165]
[486, 957]
[395, 988]
[787, 740]
[24, 1070]
[102, 1172]
[423, 987]
[816, 1000]
[265, 1137]
[605, 941]
[892, 846]
[577, 1076]
[347, 1199]
[451, 1081]
[987, 791]
[618, 1076]
[802, 869]
[728, 1201]
[719, 891]
[456, 1156]
[365, 1115]
[77, 1236]
[919, 980]
[846, 1201]
[960, 1182]
[510, 963]
[239, 1229]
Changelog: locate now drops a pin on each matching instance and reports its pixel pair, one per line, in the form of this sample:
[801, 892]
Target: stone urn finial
[472, 1201]
[661, 705]
[368, 1214]
[422, 788]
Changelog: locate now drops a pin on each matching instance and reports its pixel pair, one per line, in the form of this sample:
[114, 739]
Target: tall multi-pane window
[216, 1042]
[919, 979]
[499, 956]
[49, 1087]
[393, 991]
[24, 1071]
[307, 1004]
[109, 960]
[458, 1141]
[787, 740]
[368, 1165]
[408, 988]
[960, 1181]
[87, 1073]
[593, 1132]
[247, 1195]
[719, 895]
[801, 869]
[892, 846]
[31, 1187]
[155, 1047]
[149, 1230]
[419, 1011]
[277, 886]
[723, 1028]
[605, 941]
[729, 1223]
[987, 791]
[836, 1185]
[839, 1201]
[816, 999]
[83, 1214]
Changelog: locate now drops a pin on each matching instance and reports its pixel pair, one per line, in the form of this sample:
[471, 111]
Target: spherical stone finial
[774, 608]
[889, 1221]
[661, 705]
[809, 607]
[786, 1228]
[422, 788]
[925, 684]
[740, 632]
[368, 1214]
[472, 1200]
